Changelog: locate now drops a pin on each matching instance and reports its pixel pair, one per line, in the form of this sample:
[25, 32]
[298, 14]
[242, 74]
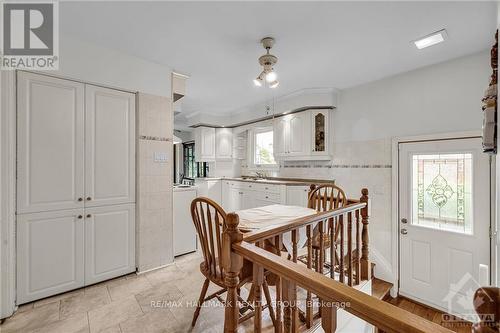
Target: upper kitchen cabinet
[320, 130]
[298, 134]
[204, 138]
[109, 146]
[224, 144]
[302, 136]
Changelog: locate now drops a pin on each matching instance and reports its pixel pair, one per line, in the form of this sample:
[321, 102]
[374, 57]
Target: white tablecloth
[274, 215]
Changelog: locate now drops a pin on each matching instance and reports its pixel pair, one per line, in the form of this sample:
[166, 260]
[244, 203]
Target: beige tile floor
[159, 301]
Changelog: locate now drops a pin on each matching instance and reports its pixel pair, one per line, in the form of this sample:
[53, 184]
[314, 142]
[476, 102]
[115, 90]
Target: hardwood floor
[429, 313]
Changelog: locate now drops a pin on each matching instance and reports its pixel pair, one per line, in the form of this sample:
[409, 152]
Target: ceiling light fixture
[267, 61]
[432, 39]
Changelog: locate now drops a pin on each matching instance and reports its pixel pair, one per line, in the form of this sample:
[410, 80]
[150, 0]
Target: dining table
[265, 217]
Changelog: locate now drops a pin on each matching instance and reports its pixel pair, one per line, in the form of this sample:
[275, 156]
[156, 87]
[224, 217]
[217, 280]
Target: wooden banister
[381, 314]
[271, 231]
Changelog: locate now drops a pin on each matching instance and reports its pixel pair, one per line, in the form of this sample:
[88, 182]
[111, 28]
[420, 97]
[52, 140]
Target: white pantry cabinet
[109, 147]
[223, 143]
[50, 253]
[204, 144]
[109, 242]
[50, 143]
[76, 185]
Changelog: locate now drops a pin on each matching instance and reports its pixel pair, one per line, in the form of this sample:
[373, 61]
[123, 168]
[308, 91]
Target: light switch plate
[160, 157]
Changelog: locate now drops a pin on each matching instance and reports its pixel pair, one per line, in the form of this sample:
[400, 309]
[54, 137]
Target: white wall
[441, 98]
[95, 64]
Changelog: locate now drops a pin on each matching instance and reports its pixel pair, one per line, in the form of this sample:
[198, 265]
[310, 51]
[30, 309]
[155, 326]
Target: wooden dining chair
[210, 221]
[323, 198]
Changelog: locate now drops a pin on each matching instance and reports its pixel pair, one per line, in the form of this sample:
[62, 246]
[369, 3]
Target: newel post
[366, 269]
[232, 263]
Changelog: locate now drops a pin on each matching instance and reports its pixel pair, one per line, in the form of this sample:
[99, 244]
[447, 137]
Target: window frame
[252, 151]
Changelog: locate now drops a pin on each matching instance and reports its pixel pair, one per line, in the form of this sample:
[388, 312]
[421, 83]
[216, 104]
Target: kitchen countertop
[275, 180]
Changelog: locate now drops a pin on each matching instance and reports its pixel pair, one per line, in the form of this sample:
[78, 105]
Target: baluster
[309, 308]
[321, 247]
[328, 317]
[365, 261]
[258, 279]
[358, 268]
[349, 249]
[232, 266]
[278, 325]
[341, 264]
[332, 246]
[293, 289]
[289, 290]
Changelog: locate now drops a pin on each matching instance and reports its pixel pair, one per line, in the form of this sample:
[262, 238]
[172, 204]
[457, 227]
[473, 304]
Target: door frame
[8, 193]
[395, 252]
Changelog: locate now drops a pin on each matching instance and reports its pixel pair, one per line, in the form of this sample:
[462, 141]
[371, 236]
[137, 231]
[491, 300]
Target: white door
[224, 143]
[50, 253]
[279, 137]
[444, 222]
[109, 242]
[298, 134]
[109, 147]
[50, 150]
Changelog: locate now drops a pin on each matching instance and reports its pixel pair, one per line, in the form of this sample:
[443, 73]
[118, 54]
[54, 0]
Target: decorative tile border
[341, 166]
[153, 138]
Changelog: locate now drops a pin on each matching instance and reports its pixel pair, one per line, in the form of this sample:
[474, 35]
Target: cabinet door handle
[80, 217]
[80, 199]
[267, 197]
[89, 198]
[89, 216]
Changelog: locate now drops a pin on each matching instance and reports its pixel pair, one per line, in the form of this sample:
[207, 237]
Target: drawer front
[269, 188]
[275, 197]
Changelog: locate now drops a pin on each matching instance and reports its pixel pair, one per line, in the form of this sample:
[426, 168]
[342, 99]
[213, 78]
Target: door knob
[404, 231]
[404, 220]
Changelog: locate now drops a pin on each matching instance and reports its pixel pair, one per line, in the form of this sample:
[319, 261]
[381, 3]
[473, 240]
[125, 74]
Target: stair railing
[290, 275]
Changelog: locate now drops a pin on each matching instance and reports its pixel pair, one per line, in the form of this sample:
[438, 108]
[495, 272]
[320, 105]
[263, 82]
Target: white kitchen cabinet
[226, 197]
[298, 134]
[235, 199]
[210, 188]
[109, 147]
[184, 230]
[297, 195]
[223, 143]
[320, 133]
[109, 242]
[302, 135]
[50, 253]
[50, 143]
[280, 142]
[204, 147]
